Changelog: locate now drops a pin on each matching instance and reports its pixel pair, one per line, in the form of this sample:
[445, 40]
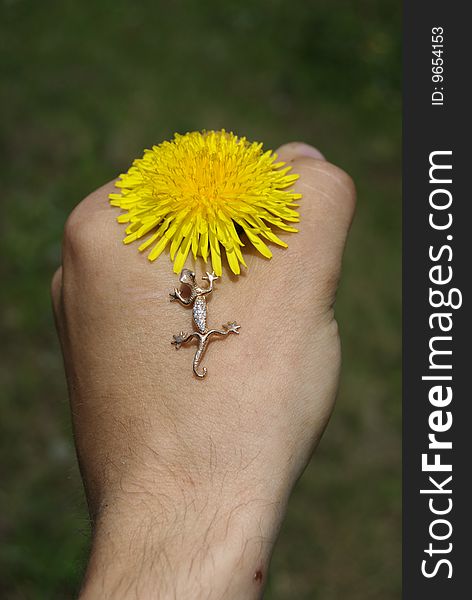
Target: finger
[326, 212]
[89, 223]
[93, 244]
[293, 150]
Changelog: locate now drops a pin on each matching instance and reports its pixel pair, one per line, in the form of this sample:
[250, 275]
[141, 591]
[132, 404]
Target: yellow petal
[149, 241]
[215, 253]
[258, 244]
[233, 261]
[270, 235]
[204, 244]
[158, 233]
[182, 254]
[158, 248]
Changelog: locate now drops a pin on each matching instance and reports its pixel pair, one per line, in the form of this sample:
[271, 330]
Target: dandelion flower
[202, 192]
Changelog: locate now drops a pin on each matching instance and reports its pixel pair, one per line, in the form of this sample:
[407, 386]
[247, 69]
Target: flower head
[201, 192]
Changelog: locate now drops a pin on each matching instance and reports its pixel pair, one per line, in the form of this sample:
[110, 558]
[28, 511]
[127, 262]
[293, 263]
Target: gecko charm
[197, 298]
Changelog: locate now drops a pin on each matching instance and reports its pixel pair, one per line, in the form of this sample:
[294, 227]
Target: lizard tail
[202, 344]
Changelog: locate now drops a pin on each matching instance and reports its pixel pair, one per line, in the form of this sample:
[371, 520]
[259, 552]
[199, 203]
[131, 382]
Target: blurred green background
[85, 87]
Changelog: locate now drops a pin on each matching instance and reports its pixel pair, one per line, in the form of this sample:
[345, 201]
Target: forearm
[183, 547]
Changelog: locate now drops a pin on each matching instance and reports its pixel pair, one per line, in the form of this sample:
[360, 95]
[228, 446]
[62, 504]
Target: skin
[188, 480]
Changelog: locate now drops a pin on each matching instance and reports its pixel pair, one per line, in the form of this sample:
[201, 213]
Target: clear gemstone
[199, 313]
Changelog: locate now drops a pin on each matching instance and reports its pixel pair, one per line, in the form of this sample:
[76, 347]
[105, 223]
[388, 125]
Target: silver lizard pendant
[197, 298]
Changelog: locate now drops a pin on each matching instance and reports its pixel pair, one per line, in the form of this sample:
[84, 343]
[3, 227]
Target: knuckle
[343, 180]
[84, 231]
[333, 331]
[327, 286]
[56, 282]
[72, 228]
[56, 292]
[330, 177]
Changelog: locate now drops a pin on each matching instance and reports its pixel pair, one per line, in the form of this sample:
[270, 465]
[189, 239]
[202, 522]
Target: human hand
[187, 480]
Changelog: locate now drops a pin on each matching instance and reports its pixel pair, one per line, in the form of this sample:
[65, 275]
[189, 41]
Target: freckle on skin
[258, 576]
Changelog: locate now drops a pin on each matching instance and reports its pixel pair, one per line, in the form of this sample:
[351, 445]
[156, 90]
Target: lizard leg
[176, 295]
[204, 339]
[210, 277]
[227, 328]
[182, 338]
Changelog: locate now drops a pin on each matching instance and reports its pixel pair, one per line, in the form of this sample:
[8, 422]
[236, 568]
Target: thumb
[326, 212]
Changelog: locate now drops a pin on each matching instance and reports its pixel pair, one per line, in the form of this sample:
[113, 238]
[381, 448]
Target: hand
[187, 480]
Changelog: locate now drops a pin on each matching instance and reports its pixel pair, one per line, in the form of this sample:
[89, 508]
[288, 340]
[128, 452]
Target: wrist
[200, 545]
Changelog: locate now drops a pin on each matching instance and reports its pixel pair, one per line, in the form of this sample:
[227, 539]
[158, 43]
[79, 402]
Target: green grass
[85, 87]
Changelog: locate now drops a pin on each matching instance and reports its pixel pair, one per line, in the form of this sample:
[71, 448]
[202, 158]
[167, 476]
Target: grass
[86, 86]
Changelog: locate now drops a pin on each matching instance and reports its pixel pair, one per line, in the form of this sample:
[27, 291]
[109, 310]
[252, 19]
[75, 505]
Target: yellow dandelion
[202, 192]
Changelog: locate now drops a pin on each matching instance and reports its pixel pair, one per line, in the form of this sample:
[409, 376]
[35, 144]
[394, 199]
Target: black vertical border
[427, 128]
